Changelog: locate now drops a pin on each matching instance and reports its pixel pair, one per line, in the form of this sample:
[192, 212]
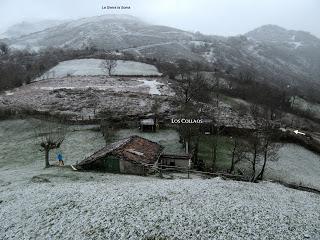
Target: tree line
[200, 96]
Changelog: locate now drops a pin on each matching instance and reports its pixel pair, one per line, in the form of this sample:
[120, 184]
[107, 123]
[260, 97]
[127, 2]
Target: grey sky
[220, 17]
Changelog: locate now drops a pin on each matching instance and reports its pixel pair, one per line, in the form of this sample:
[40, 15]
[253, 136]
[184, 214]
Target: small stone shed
[129, 155]
[173, 160]
[149, 123]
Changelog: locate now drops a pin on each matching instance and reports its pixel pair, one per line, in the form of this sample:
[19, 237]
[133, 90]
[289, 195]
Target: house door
[111, 164]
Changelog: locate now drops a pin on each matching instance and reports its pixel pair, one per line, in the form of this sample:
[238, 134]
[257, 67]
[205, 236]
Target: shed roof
[147, 122]
[134, 148]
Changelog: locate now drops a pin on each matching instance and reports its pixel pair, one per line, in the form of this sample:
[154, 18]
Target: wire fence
[166, 169]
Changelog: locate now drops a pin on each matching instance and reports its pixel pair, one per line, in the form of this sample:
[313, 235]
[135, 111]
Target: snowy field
[97, 67]
[135, 85]
[301, 104]
[128, 68]
[83, 96]
[296, 165]
[79, 67]
[19, 147]
[108, 206]
[59, 203]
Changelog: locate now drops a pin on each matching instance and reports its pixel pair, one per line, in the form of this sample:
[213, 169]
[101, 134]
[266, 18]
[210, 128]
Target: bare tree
[269, 147]
[254, 149]
[169, 69]
[188, 132]
[107, 130]
[262, 141]
[192, 91]
[238, 153]
[216, 120]
[50, 135]
[269, 151]
[4, 49]
[239, 150]
[111, 65]
[191, 84]
[198, 163]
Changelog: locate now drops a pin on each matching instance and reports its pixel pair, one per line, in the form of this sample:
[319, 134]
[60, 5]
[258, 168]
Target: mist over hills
[27, 27]
[274, 33]
[272, 52]
[104, 32]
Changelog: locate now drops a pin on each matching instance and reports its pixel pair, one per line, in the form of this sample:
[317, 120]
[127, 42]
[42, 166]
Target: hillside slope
[25, 28]
[97, 67]
[285, 58]
[105, 32]
[122, 207]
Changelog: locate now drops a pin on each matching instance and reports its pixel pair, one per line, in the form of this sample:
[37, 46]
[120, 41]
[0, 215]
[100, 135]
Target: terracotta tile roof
[134, 148]
[148, 151]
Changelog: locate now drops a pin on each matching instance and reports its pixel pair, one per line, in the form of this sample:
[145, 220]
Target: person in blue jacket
[60, 159]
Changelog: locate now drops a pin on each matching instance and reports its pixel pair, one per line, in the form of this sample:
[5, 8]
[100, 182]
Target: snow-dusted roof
[104, 151]
[149, 122]
[134, 148]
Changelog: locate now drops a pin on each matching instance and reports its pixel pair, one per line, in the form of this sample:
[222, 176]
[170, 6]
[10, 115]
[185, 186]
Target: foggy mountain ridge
[105, 32]
[271, 51]
[274, 33]
[28, 27]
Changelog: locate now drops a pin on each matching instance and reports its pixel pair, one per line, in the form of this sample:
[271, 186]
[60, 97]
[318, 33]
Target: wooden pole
[187, 147]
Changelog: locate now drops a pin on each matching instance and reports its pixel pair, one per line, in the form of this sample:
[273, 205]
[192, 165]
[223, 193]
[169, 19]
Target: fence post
[160, 172]
[189, 166]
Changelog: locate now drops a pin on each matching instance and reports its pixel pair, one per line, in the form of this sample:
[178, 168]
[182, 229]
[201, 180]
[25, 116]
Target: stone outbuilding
[132, 155]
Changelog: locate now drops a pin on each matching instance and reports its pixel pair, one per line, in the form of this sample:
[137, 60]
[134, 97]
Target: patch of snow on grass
[198, 43]
[113, 206]
[96, 67]
[79, 142]
[58, 203]
[301, 104]
[78, 67]
[55, 88]
[295, 165]
[130, 68]
[296, 44]
[153, 86]
[8, 93]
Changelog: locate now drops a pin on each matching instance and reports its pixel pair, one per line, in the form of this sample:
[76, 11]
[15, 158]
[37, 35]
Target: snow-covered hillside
[97, 67]
[83, 97]
[301, 104]
[270, 51]
[110, 31]
[296, 165]
[24, 28]
[79, 67]
[129, 207]
[275, 34]
[58, 203]
[128, 68]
